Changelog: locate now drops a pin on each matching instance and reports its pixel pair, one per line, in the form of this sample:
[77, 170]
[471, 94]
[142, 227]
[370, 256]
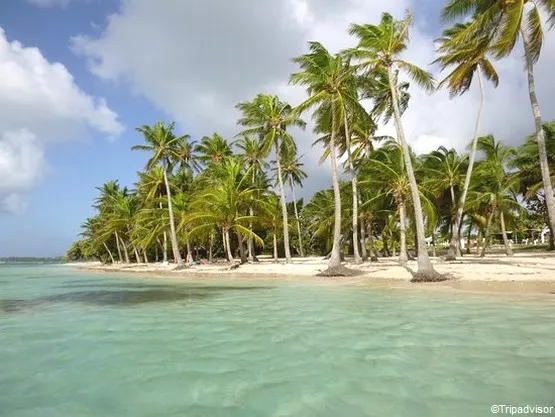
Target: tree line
[217, 194]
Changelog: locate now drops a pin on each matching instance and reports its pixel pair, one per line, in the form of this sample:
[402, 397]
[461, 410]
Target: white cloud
[39, 104]
[196, 60]
[22, 166]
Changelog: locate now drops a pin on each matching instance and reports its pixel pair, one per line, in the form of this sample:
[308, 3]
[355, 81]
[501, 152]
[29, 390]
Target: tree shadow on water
[169, 287]
[119, 298]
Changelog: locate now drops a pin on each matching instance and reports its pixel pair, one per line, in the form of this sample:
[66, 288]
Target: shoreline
[523, 274]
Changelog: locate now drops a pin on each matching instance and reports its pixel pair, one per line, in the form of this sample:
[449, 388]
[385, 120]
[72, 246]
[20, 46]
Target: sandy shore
[523, 273]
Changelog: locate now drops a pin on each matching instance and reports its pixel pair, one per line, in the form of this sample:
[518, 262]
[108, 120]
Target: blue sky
[189, 61]
[62, 201]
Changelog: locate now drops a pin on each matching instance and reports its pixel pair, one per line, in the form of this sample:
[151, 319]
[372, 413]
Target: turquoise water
[78, 344]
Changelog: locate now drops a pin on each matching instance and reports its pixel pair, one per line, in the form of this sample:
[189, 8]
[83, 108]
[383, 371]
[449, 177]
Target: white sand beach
[524, 272]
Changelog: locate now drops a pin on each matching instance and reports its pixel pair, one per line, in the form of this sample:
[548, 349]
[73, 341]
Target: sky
[78, 76]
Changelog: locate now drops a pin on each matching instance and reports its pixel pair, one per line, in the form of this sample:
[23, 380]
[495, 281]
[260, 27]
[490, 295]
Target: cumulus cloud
[39, 104]
[22, 166]
[196, 60]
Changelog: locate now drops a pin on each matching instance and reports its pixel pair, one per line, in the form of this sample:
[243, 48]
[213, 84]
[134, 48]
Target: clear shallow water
[78, 344]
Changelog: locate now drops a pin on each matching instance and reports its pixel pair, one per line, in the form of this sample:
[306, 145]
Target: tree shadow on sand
[429, 276]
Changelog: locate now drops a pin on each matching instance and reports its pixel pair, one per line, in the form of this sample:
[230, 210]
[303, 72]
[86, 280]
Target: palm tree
[443, 170]
[496, 188]
[386, 179]
[269, 117]
[346, 140]
[271, 218]
[104, 204]
[91, 231]
[319, 213]
[293, 171]
[505, 22]
[161, 141]
[386, 171]
[379, 49]
[526, 162]
[252, 153]
[213, 149]
[467, 59]
[226, 196]
[331, 84]
[152, 189]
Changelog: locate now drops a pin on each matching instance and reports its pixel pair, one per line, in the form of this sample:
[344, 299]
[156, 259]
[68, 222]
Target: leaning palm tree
[104, 203]
[379, 49]
[293, 171]
[350, 129]
[467, 59]
[331, 84]
[162, 142]
[506, 22]
[270, 117]
[152, 189]
[253, 154]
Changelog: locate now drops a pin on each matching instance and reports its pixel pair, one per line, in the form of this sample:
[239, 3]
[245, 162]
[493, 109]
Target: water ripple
[97, 346]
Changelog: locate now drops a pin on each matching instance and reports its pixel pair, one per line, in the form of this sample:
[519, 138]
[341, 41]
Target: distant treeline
[31, 259]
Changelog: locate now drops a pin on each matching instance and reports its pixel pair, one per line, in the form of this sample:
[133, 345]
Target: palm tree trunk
[125, 252]
[228, 246]
[479, 240]
[425, 268]
[165, 247]
[275, 247]
[356, 254]
[109, 252]
[468, 236]
[434, 254]
[403, 258]
[250, 240]
[373, 254]
[136, 252]
[508, 249]
[283, 207]
[335, 256]
[540, 135]
[455, 237]
[242, 252]
[173, 235]
[119, 248]
[211, 248]
[145, 255]
[189, 251]
[459, 252]
[452, 190]
[386, 252]
[486, 233]
[292, 185]
[453, 225]
[363, 251]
